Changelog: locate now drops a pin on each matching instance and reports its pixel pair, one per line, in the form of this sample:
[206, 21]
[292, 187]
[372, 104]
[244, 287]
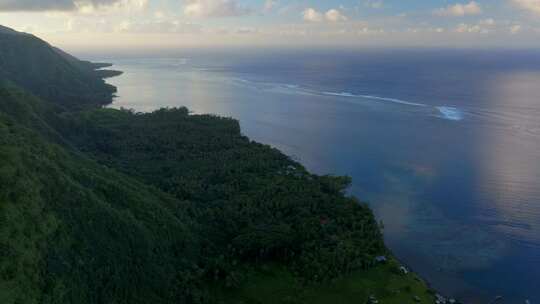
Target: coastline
[101, 70]
[438, 298]
[427, 153]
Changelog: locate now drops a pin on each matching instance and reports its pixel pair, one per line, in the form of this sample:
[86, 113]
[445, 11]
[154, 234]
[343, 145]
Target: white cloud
[485, 26]
[465, 28]
[119, 5]
[514, 29]
[312, 15]
[332, 15]
[487, 22]
[91, 24]
[214, 8]
[460, 10]
[159, 27]
[530, 5]
[87, 25]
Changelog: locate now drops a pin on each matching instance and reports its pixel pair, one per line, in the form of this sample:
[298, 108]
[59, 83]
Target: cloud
[332, 15]
[66, 5]
[486, 26]
[460, 10]
[530, 5]
[159, 27]
[87, 25]
[465, 28]
[93, 24]
[214, 8]
[489, 22]
[514, 29]
[312, 15]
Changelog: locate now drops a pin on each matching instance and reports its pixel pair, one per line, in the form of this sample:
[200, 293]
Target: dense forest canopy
[110, 206]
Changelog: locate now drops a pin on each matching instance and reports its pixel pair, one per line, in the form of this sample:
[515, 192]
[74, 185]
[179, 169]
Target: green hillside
[110, 206]
[73, 231]
[50, 73]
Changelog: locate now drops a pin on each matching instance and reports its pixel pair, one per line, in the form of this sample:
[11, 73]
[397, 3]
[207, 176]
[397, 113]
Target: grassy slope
[277, 285]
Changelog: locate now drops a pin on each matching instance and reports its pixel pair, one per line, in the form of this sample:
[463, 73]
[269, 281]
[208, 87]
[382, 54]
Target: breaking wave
[444, 112]
[450, 113]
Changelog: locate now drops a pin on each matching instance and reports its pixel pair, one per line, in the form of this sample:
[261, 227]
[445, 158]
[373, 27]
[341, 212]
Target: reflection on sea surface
[497, 238]
[510, 164]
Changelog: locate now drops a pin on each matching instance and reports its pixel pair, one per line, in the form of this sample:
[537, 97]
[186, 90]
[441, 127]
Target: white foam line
[343, 94]
[450, 113]
[446, 112]
[394, 100]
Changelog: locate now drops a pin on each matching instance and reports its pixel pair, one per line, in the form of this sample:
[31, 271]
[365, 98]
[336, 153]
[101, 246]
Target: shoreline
[101, 70]
[440, 299]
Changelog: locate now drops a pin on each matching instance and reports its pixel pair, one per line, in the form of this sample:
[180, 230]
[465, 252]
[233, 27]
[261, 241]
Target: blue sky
[357, 23]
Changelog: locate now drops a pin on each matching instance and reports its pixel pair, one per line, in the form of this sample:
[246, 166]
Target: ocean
[444, 145]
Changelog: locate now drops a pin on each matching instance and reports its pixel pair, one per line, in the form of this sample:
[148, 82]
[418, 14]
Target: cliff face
[49, 73]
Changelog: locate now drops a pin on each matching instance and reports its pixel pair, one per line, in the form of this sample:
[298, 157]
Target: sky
[136, 24]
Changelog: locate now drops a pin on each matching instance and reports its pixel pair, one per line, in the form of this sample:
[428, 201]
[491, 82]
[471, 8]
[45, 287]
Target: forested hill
[49, 73]
[109, 206]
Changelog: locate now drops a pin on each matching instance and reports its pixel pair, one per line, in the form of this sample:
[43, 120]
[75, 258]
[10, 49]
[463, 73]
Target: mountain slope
[33, 64]
[110, 206]
[72, 231]
[75, 231]
[7, 30]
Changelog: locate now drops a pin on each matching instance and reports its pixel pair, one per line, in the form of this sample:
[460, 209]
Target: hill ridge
[51, 74]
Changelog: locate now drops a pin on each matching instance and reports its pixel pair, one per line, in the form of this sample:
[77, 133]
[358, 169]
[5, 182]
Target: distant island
[99, 205]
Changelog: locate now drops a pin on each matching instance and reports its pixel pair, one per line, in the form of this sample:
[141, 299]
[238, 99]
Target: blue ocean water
[443, 144]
